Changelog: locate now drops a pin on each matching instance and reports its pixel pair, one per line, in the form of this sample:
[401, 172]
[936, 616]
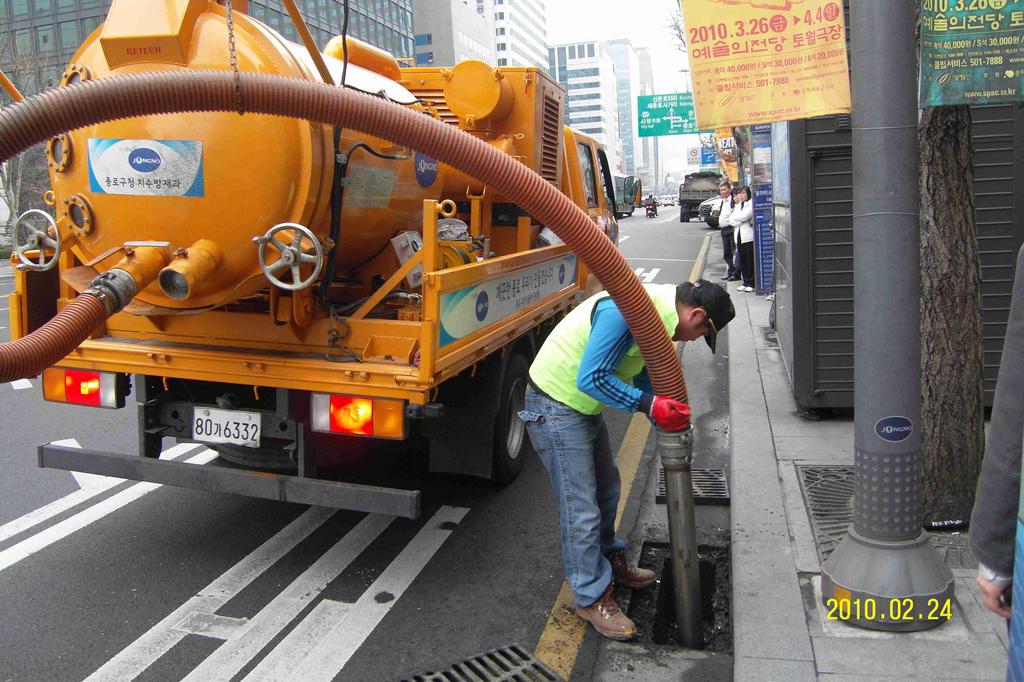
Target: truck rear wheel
[511, 443]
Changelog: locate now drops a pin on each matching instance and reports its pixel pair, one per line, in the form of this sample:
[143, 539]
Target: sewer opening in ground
[653, 609]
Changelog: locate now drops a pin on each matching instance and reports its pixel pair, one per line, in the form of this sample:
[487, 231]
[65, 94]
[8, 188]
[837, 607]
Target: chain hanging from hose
[233, 54]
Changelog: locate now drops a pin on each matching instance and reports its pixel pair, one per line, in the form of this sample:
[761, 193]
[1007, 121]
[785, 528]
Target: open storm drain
[653, 609]
[710, 486]
[828, 491]
[512, 663]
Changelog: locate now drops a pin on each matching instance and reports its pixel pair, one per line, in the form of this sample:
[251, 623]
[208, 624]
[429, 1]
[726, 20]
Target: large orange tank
[219, 180]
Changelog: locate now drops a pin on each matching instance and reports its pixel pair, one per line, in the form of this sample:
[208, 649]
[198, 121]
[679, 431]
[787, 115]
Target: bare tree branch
[678, 29]
[23, 178]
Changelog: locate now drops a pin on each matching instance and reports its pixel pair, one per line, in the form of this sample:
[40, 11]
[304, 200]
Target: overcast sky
[646, 24]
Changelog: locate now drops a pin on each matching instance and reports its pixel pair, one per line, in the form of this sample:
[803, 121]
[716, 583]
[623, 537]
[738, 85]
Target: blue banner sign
[466, 311]
[764, 217]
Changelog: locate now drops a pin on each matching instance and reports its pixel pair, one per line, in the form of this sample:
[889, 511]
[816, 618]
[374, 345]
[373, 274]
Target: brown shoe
[626, 574]
[607, 618]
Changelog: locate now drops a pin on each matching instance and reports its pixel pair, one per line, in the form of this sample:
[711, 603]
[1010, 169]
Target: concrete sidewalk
[779, 628]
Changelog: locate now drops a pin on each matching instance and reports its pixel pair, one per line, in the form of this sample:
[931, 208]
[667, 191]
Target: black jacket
[994, 519]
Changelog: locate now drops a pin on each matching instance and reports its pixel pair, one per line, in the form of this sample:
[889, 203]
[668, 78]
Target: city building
[520, 31]
[649, 163]
[586, 72]
[46, 33]
[451, 31]
[627, 76]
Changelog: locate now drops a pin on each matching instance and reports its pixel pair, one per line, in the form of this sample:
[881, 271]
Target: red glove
[669, 414]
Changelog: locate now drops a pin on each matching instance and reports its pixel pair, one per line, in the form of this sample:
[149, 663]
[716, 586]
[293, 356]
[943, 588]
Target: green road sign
[670, 114]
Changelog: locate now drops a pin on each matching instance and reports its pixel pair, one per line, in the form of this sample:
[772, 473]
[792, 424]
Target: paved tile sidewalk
[780, 632]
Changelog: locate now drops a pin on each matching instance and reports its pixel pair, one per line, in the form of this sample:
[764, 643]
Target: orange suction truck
[300, 287]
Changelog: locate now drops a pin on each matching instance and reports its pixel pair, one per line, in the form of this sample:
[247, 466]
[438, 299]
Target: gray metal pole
[886, 558]
[676, 450]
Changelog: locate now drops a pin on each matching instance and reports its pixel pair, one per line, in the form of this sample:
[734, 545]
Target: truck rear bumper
[317, 492]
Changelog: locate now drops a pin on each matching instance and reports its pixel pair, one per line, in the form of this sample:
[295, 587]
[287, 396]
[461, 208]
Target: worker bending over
[586, 363]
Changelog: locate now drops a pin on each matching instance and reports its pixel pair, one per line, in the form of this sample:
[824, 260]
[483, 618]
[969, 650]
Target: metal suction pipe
[676, 449]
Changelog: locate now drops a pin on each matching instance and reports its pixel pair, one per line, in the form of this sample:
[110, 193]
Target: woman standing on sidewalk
[742, 219]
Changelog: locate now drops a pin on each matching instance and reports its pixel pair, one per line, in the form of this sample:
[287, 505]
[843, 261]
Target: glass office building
[46, 33]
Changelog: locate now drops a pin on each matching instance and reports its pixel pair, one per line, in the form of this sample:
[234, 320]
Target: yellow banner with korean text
[759, 61]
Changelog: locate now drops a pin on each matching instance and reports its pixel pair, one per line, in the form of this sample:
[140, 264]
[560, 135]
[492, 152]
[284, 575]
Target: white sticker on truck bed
[154, 168]
[468, 310]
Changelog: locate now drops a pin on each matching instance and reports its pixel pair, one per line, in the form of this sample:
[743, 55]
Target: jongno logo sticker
[894, 429]
[426, 169]
[144, 160]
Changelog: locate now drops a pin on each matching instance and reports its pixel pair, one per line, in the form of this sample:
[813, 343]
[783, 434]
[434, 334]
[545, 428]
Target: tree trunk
[952, 418]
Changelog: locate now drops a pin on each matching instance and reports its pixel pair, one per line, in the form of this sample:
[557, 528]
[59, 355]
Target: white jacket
[724, 207]
[742, 218]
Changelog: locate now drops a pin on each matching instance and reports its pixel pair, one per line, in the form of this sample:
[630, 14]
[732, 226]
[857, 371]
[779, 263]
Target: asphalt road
[115, 580]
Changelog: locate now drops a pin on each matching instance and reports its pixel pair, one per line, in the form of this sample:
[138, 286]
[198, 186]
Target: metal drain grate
[953, 549]
[828, 491]
[771, 339]
[507, 664]
[710, 486]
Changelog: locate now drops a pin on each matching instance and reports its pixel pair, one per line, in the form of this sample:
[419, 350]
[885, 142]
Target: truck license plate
[226, 426]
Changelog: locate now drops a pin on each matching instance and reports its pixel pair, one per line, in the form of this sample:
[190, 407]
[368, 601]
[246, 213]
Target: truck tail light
[355, 416]
[85, 387]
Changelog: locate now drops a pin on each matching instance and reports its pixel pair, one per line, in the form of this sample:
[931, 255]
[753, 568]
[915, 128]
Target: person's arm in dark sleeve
[642, 381]
[610, 338]
[994, 519]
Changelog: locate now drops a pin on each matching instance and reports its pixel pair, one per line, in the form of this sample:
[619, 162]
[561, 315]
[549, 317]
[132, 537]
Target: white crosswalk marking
[647, 276]
[34, 518]
[59, 531]
[144, 651]
[233, 655]
[622, 239]
[352, 625]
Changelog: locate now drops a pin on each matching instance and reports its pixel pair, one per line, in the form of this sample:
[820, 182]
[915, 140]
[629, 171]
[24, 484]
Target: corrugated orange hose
[29, 356]
[40, 117]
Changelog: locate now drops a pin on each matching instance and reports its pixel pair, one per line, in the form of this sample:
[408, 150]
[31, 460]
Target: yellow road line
[702, 255]
[560, 641]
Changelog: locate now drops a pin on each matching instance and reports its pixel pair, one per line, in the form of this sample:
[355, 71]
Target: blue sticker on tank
[154, 168]
[426, 170]
[894, 429]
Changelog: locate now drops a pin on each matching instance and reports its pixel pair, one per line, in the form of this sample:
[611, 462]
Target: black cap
[715, 301]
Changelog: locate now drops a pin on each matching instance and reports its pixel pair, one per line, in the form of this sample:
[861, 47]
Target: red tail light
[84, 387]
[357, 416]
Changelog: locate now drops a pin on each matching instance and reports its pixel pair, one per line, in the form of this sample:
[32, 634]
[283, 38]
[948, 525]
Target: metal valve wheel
[291, 256]
[28, 237]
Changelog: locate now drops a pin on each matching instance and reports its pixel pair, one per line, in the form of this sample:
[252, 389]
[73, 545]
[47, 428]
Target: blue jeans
[575, 450]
